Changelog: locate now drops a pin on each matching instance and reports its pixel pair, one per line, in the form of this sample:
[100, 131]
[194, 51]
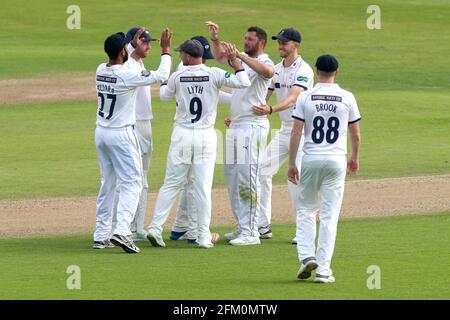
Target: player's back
[326, 110]
[197, 95]
[116, 101]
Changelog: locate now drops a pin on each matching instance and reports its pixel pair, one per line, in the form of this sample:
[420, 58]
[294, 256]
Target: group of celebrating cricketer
[313, 138]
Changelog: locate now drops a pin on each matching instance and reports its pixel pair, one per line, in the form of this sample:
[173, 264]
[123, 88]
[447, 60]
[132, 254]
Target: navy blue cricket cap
[288, 34]
[327, 63]
[145, 36]
[114, 43]
[206, 47]
[193, 48]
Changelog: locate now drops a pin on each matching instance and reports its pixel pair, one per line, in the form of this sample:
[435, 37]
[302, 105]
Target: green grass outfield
[410, 251]
[406, 53]
[397, 75]
[48, 150]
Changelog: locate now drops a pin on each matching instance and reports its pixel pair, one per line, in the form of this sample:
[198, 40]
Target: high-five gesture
[165, 41]
[232, 52]
[213, 30]
[137, 41]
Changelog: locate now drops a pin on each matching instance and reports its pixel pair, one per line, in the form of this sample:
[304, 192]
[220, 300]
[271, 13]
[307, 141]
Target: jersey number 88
[331, 135]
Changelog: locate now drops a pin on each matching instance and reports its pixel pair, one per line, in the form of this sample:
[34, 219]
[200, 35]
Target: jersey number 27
[101, 111]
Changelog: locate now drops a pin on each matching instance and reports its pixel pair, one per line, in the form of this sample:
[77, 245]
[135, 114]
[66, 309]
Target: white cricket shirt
[196, 89]
[297, 74]
[327, 109]
[116, 91]
[242, 100]
[143, 94]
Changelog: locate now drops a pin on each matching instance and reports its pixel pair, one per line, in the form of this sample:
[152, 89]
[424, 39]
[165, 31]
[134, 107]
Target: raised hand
[137, 37]
[213, 30]
[230, 50]
[165, 40]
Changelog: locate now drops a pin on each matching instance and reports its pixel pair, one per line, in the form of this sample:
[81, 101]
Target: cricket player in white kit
[326, 112]
[194, 141]
[185, 224]
[142, 129]
[292, 76]
[115, 139]
[247, 135]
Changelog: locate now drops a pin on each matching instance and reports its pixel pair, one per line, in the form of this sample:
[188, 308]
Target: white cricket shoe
[294, 241]
[245, 241]
[125, 242]
[308, 265]
[103, 244]
[205, 244]
[324, 279]
[233, 234]
[155, 238]
[265, 232]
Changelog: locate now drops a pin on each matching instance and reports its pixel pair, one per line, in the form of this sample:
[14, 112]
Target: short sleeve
[304, 78]
[354, 114]
[271, 85]
[299, 113]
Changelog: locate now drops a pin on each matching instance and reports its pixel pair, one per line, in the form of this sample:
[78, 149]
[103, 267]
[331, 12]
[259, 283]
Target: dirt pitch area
[363, 198]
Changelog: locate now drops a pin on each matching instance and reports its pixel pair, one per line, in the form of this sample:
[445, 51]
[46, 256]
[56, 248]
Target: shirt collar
[296, 62]
[321, 84]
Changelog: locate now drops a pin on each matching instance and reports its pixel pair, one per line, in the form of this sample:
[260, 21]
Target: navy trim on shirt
[299, 85]
[350, 122]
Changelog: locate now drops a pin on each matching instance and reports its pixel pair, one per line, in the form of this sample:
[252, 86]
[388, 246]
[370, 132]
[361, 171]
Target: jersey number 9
[196, 108]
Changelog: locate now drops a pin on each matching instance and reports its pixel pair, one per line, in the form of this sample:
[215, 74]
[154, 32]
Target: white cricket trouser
[186, 217]
[191, 150]
[144, 136]
[243, 151]
[120, 162]
[322, 182]
[143, 131]
[274, 156]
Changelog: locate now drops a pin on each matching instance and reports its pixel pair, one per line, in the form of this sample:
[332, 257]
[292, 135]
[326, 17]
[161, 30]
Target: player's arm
[163, 72]
[147, 77]
[296, 135]
[167, 89]
[269, 93]
[282, 105]
[224, 97]
[264, 69]
[355, 138]
[217, 48]
[240, 79]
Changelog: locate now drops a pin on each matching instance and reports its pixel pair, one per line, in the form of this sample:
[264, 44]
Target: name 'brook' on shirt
[326, 107]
